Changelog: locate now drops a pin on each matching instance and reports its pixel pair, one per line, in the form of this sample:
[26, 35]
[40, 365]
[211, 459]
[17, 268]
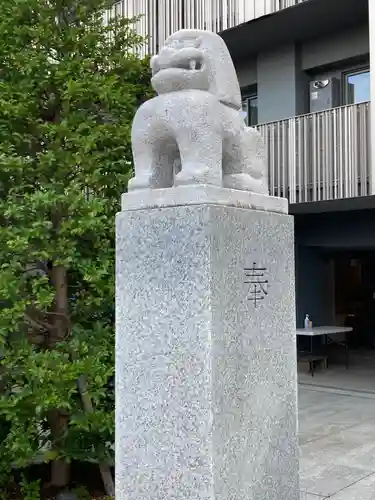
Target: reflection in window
[357, 87]
[250, 106]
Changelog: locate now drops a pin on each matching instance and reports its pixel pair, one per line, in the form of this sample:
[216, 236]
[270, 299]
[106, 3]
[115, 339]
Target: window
[250, 106]
[357, 87]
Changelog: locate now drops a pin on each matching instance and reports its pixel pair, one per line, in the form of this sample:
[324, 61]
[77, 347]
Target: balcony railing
[163, 17]
[320, 156]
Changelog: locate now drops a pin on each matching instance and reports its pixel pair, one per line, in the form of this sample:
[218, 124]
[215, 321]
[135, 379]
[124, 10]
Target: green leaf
[68, 95]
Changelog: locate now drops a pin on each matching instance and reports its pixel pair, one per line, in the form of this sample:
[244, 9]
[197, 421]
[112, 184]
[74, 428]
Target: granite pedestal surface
[206, 353]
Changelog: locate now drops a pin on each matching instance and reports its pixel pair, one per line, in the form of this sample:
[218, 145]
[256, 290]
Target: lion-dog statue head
[196, 60]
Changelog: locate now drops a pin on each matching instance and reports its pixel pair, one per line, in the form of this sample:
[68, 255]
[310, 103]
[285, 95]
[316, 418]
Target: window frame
[250, 94]
[345, 84]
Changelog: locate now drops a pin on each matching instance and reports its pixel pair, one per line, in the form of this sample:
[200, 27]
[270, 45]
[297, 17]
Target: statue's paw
[245, 182]
[196, 175]
[140, 182]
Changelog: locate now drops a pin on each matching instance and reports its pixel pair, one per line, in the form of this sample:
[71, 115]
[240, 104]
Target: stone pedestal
[206, 351]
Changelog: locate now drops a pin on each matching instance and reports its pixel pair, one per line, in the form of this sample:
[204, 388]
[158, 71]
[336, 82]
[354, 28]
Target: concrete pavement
[337, 444]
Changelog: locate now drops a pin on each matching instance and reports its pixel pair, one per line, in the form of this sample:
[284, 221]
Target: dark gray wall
[341, 230]
[247, 72]
[335, 48]
[281, 84]
[314, 287]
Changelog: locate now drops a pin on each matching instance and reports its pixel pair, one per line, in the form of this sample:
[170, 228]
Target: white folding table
[326, 331]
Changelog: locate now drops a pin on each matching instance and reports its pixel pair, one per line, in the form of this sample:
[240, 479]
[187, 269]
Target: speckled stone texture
[193, 132]
[205, 379]
[202, 195]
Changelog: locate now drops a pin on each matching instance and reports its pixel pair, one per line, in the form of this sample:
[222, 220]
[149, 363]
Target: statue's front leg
[201, 155]
[145, 176]
[153, 165]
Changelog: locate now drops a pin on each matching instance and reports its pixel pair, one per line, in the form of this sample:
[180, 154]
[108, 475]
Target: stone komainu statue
[193, 131]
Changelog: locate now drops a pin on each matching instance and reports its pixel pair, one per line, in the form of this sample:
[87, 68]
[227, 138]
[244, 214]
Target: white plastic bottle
[307, 321]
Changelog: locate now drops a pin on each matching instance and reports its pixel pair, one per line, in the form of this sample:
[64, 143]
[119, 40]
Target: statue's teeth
[192, 64]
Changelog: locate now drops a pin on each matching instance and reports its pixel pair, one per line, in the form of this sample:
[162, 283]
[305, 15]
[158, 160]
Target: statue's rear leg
[244, 165]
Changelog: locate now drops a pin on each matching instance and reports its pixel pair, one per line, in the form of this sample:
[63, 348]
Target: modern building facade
[160, 18]
[306, 78]
[307, 74]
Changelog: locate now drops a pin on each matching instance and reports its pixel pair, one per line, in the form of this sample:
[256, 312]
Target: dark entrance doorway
[354, 274]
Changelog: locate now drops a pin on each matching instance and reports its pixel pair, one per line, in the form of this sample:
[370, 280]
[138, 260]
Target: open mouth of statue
[191, 64]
